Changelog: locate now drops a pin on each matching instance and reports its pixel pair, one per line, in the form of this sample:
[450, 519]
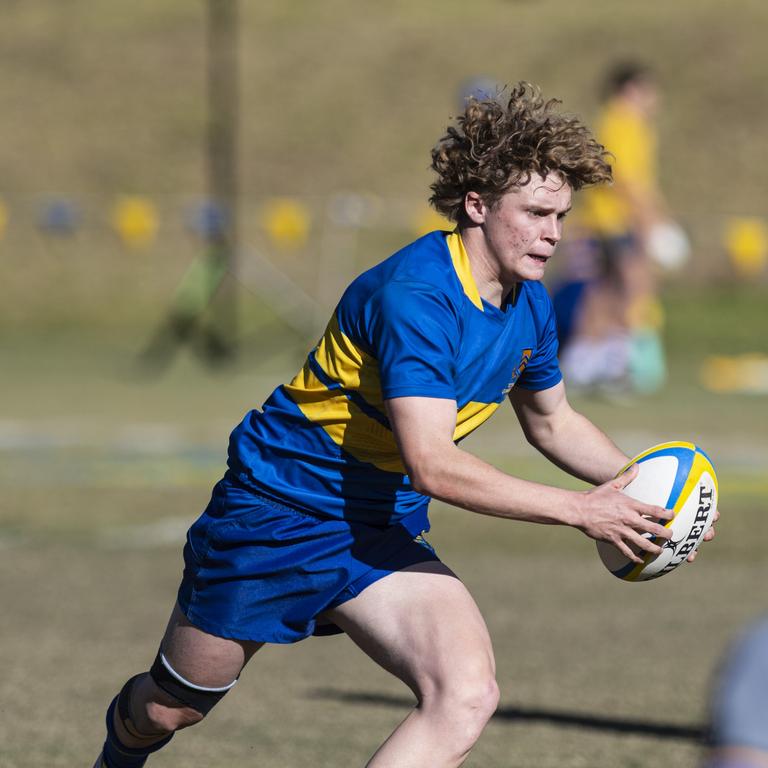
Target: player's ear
[475, 207]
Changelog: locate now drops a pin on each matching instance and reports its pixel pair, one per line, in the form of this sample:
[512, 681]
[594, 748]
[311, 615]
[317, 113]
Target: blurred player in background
[317, 526]
[610, 319]
[739, 707]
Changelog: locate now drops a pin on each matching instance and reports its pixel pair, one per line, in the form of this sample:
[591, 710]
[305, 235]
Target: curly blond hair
[493, 148]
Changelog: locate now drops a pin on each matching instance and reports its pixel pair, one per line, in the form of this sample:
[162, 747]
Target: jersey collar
[460, 261]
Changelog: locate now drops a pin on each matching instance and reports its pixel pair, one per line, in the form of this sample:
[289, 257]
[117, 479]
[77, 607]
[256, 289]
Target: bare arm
[424, 430]
[568, 439]
[565, 437]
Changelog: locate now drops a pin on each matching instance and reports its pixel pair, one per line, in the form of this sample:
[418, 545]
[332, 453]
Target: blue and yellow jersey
[415, 325]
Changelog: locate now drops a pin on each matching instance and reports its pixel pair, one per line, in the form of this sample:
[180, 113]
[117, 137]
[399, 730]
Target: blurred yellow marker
[746, 374]
[3, 218]
[286, 222]
[746, 242]
[135, 220]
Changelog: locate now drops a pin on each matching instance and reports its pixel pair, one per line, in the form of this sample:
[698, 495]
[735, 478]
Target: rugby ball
[677, 476]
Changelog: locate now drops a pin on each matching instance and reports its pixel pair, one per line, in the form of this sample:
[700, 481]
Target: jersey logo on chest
[525, 358]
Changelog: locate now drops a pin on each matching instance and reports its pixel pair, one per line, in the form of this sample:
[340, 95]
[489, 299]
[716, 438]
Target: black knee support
[198, 697]
[120, 709]
[123, 704]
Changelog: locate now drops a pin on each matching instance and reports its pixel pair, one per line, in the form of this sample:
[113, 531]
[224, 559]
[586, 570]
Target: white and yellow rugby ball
[678, 476]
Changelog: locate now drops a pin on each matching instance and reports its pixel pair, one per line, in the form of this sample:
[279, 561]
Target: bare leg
[202, 659]
[422, 625]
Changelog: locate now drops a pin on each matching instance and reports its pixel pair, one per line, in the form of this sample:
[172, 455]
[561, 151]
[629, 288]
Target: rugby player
[318, 524]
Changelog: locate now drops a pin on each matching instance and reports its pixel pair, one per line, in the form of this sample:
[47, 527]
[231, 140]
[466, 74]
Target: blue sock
[116, 755]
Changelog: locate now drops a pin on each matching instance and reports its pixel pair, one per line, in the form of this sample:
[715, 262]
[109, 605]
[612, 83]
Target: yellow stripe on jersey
[471, 416]
[461, 265]
[348, 427]
[345, 363]
[344, 422]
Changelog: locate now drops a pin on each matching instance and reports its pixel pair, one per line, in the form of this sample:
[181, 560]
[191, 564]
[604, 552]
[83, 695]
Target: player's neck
[485, 269]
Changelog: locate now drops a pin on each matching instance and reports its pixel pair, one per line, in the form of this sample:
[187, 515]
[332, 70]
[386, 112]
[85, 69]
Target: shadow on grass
[627, 726]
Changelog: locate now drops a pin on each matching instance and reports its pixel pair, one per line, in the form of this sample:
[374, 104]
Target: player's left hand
[708, 536]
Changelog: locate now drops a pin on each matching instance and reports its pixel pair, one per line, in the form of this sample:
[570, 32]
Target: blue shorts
[258, 570]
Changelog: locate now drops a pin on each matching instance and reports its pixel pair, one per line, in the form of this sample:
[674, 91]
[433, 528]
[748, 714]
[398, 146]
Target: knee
[154, 712]
[467, 701]
[475, 701]
[175, 703]
[142, 716]
[167, 717]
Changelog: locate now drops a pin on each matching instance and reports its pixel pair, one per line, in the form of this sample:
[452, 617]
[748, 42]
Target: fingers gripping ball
[680, 477]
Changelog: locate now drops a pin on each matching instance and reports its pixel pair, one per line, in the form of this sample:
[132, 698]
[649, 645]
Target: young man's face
[523, 228]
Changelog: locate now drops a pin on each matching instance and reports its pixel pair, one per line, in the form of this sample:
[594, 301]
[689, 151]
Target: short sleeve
[543, 369]
[414, 333]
